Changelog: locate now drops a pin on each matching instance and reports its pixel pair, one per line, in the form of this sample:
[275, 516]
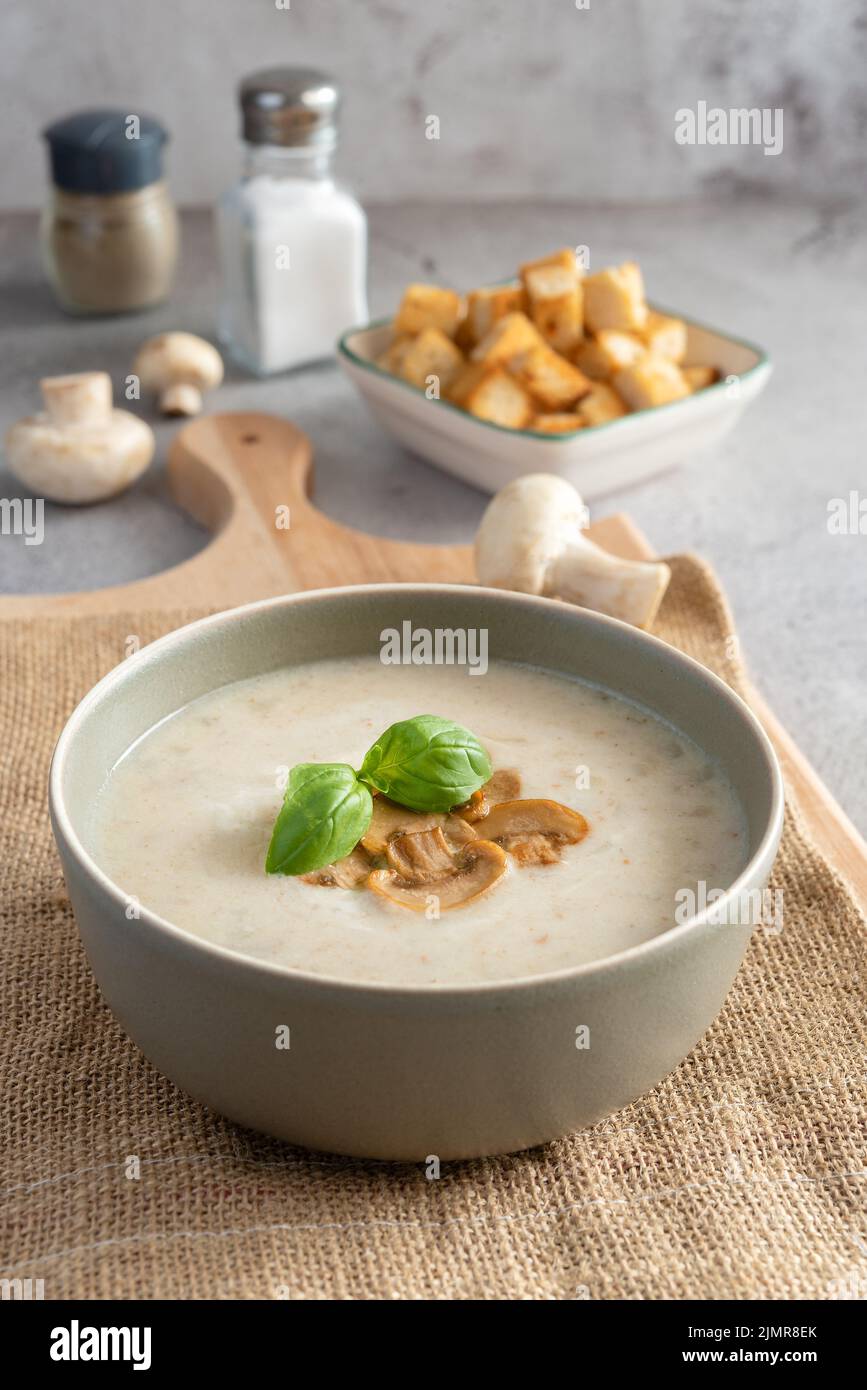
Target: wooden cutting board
[247, 478]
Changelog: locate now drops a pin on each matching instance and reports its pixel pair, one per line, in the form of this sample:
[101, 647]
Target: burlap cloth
[741, 1176]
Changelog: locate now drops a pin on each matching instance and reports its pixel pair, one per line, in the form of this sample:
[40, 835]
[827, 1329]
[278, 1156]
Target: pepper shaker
[109, 232]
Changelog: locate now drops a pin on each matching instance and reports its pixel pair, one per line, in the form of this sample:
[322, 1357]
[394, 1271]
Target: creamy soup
[183, 822]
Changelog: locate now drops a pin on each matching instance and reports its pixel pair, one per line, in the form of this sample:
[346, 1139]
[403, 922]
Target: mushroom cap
[524, 529]
[178, 357]
[79, 463]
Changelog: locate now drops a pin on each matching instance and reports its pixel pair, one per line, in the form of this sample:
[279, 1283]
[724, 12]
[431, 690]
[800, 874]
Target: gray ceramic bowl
[402, 1073]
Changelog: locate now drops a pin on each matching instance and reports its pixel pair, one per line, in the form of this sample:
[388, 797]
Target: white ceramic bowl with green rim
[403, 1073]
[595, 460]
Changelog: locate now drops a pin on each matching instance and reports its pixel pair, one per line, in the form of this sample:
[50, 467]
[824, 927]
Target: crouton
[393, 356]
[621, 349]
[697, 378]
[513, 334]
[429, 306]
[464, 380]
[565, 258]
[558, 423]
[590, 359]
[650, 381]
[464, 336]
[487, 306]
[665, 336]
[600, 405]
[614, 298]
[431, 354]
[602, 356]
[497, 397]
[549, 378]
[556, 304]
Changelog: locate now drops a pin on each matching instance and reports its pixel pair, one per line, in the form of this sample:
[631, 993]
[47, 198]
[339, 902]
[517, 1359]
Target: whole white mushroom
[180, 367]
[79, 449]
[531, 539]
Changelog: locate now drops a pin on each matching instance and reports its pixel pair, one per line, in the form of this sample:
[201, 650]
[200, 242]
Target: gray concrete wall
[535, 98]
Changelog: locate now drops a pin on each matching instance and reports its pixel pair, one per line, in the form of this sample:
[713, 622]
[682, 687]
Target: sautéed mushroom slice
[505, 785]
[474, 809]
[421, 857]
[534, 831]
[424, 866]
[348, 872]
[390, 820]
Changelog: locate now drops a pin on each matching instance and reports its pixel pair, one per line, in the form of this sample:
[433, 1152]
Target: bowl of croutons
[557, 371]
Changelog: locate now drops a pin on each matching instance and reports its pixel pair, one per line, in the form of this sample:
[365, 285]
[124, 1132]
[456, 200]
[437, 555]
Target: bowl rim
[761, 367]
[230, 959]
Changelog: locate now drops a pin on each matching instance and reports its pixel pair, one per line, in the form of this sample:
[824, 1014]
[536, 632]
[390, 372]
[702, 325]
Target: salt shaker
[292, 243]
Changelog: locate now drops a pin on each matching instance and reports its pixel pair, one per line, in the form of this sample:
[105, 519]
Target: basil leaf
[325, 812]
[427, 763]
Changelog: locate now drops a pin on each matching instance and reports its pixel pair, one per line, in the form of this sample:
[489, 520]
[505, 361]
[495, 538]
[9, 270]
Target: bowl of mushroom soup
[404, 870]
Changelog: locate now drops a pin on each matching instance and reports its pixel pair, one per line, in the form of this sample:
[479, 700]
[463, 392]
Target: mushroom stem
[594, 578]
[181, 398]
[82, 398]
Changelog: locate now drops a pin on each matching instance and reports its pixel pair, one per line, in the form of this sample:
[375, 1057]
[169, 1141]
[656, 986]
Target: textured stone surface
[788, 276]
[543, 99]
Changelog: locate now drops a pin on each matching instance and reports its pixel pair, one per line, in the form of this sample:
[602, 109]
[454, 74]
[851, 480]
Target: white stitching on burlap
[485, 1219]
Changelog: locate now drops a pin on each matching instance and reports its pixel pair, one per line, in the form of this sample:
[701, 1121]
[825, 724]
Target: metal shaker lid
[290, 106]
[105, 151]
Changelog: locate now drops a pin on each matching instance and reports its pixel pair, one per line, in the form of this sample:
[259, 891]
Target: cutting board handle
[248, 478]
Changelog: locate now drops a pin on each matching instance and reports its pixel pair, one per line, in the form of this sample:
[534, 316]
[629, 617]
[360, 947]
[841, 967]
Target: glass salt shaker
[292, 243]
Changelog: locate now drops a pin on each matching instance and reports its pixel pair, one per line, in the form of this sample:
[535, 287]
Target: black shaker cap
[105, 151]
